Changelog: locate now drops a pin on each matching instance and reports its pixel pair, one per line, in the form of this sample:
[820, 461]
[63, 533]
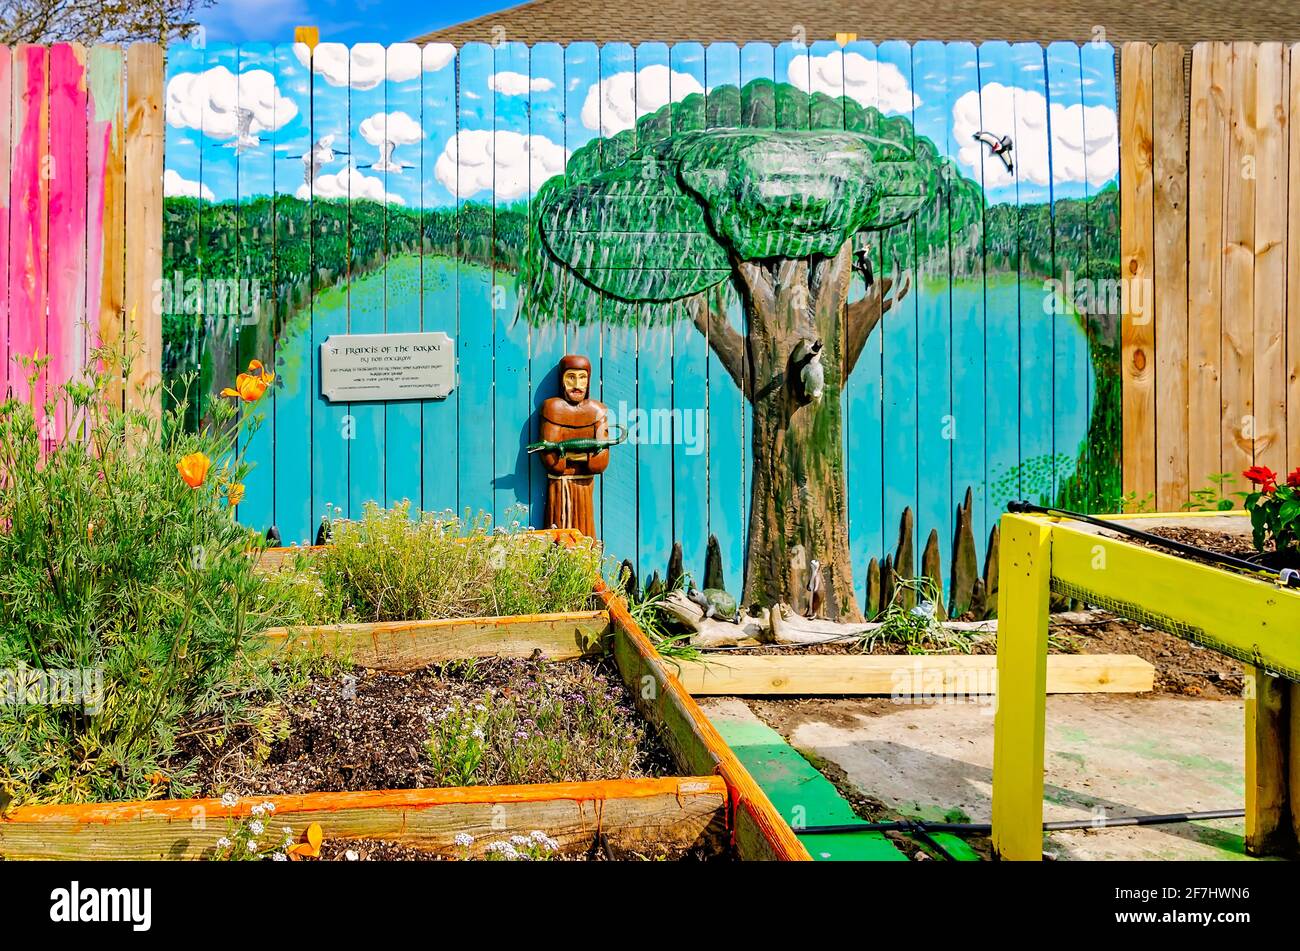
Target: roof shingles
[774, 21]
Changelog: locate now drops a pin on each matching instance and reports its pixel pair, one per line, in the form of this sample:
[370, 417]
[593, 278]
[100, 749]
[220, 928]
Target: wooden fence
[988, 381]
[81, 164]
[1210, 198]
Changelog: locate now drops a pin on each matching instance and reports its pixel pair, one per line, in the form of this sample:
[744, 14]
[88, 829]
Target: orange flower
[250, 386]
[194, 469]
[311, 847]
[235, 494]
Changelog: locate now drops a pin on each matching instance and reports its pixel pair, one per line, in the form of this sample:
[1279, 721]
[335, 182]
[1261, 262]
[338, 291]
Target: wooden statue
[575, 448]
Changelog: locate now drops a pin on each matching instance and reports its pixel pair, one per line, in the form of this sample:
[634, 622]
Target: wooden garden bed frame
[718, 799]
[1248, 618]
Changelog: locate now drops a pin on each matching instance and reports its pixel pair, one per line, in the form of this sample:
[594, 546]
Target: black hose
[1291, 579]
[984, 828]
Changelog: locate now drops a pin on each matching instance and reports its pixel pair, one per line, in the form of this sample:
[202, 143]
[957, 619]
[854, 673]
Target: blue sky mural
[505, 141]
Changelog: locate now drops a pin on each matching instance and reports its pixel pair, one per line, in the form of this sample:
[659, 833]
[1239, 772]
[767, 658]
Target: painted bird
[813, 374]
[815, 591]
[1001, 147]
[322, 153]
[386, 162]
[244, 138]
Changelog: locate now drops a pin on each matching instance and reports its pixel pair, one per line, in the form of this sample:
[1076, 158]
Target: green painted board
[800, 793]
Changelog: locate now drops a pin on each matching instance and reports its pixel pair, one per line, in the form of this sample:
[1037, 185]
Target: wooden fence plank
[6, 144]
[1137, 237]
[1293, 285]
[144, 173]
[1292, 321]
[255, 309]
[28, 220]
[438, 271]
[1170, 271]
[1270, 250]
[511, 398]
[1237, 355]
[65, 329]
[1207, 154]
[690, 354]
[367, 265]
[654, 369]
[291, 459]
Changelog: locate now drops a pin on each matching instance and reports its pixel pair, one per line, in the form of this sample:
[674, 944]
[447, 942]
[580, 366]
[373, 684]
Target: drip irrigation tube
[1286, 576]
[984, 828]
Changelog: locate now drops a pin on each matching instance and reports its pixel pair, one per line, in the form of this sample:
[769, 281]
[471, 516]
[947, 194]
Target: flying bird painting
[386, 162]
[322, 153]
[1001, 147]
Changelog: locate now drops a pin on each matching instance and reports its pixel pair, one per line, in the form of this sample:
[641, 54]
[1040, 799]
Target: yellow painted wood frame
[1247, 617]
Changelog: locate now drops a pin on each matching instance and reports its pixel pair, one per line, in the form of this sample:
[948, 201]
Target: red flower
[1262, 475]
[1294, 478]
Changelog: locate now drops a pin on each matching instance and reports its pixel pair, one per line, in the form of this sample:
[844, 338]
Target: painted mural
[846, 301]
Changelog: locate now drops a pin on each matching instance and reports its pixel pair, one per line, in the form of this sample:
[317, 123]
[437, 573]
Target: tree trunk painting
[798, 503]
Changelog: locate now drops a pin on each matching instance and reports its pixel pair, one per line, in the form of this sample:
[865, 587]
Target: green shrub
[111, 564]
[389, 566]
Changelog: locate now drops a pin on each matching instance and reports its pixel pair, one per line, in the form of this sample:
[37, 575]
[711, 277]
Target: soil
[379, 850]
[368, 730]
[1182, 668]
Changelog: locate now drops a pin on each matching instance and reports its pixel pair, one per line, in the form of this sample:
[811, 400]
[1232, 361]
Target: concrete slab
[1107, 756]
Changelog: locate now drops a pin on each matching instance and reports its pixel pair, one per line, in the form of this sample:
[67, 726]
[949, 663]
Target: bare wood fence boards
[1210, 230]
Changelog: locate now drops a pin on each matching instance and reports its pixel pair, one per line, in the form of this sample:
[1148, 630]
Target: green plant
[649, 616]
[392, 566]
[915, 628]
[534, 732]
[1274, 509]
[1211, 498]
[127, 594]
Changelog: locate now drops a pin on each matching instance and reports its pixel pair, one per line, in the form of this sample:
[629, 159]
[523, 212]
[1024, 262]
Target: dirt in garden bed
[370, 730]
[1182, 668]
[379, 850]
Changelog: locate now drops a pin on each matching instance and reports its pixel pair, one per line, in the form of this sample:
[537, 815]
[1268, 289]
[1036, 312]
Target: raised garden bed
[715, 810]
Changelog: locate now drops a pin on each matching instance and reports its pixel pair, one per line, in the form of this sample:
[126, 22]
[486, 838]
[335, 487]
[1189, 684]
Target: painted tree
[654, 224]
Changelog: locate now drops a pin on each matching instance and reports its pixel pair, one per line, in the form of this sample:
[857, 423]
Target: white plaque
[355, 368]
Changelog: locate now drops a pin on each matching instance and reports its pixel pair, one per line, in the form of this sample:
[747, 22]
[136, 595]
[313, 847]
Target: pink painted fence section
[61, 174]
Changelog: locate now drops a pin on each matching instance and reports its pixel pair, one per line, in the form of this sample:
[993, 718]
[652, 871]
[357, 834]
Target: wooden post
[1268, 809]
[1019, 724]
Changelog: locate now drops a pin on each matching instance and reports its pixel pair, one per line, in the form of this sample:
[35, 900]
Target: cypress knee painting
[844, 301]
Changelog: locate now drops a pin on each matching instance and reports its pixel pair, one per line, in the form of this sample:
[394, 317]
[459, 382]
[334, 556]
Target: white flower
[504, 849]
[252, 845]
[229, 800]
[256, 827]
[520, 840]
[279, 857]
[257, 810]
[464, 840]
[223, 843]
[269, 807]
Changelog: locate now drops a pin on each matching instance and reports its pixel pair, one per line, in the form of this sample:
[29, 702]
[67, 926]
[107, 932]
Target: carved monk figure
[573, 416]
